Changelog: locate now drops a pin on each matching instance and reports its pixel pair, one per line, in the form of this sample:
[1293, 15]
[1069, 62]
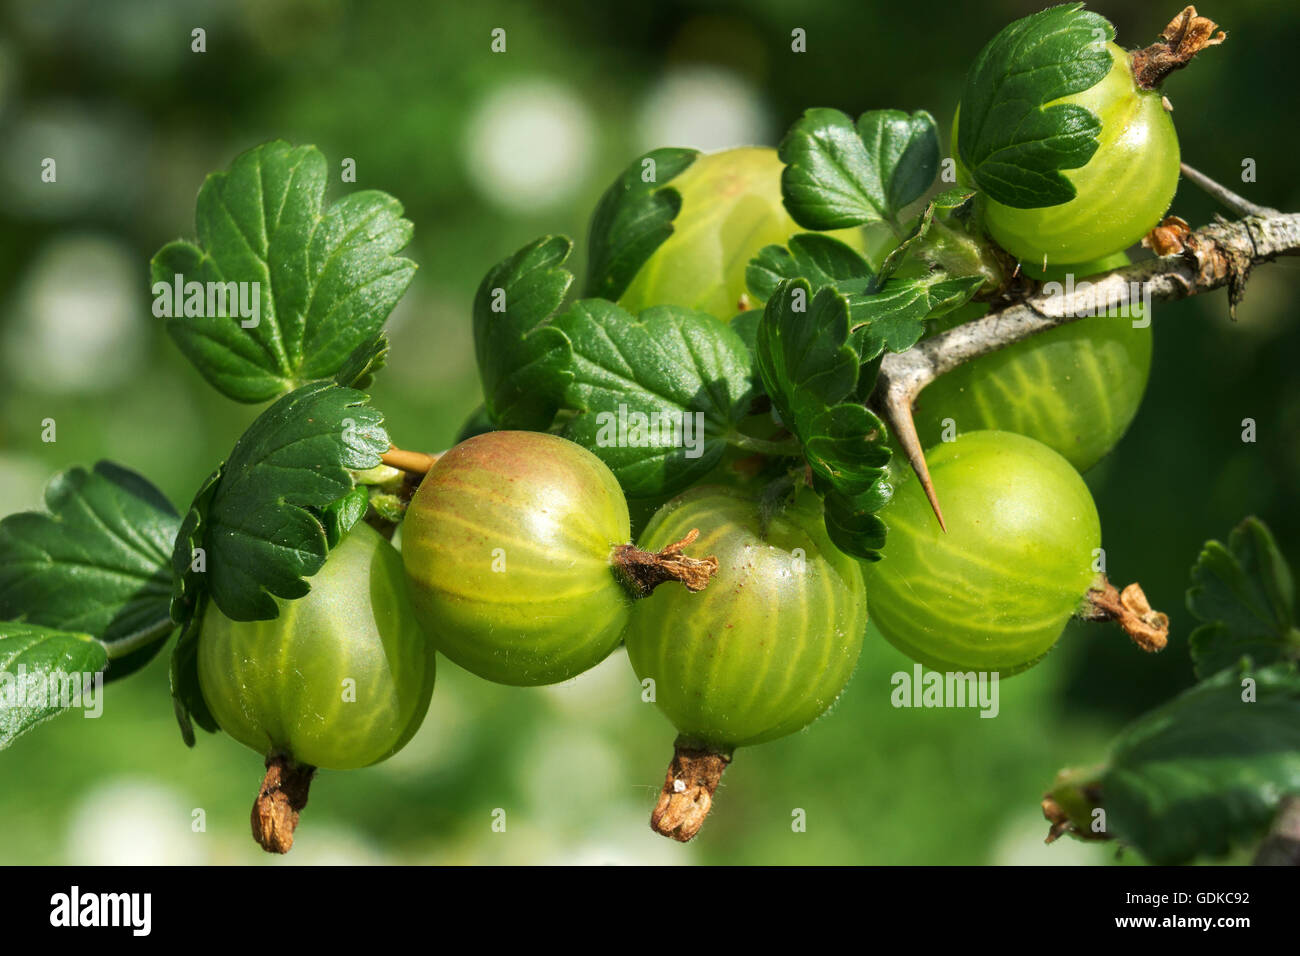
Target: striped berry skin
[507, 546]
[731, 208]
[769, 645]
[994, 593]
[340, 680]
[1075, 388]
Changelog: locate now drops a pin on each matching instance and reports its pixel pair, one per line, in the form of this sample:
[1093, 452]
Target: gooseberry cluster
[517, 551]
[739, 534]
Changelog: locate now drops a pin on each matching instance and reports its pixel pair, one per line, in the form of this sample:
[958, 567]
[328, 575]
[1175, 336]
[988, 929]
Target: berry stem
[1149, 629]
[788, 448]
[279, 802]
[1186, 35]
[643, 571]
[687, 796]
[411, 462]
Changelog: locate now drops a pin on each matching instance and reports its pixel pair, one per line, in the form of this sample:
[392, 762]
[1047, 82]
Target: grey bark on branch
[1217, 255]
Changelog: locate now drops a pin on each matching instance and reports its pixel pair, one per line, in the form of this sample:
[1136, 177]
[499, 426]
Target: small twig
[1148, 628]
[1218, 255]
[411, 462]
[1237, 205]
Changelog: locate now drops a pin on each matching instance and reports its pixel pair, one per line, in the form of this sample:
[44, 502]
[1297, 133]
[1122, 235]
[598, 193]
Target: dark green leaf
[1208, 768]
[838, 174]
[632, 219]
[1012, 143]
[811, 373]
[523, 360]
[905, 155]
[97, 563]
[660, 392]
[188, 581]
[339, 516]
[893, 318]
[187, 696]
[327, 277]
[745, 325]
[853, 525]
[260, 529]
[1245, 598]
[44, 671]
[822, 260]
[360, 368]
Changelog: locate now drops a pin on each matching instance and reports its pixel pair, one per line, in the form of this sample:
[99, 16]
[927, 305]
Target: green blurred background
[487, 151]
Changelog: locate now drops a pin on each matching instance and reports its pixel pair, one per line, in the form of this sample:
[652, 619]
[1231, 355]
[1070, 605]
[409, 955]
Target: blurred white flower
[101, 160]
[125, 821]
[528, 145]
[77, 319]
[704, 107]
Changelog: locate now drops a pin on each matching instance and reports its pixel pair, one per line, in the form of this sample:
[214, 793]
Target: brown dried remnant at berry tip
[687, 796]
[1186, 35]
[1130, 608]
[643, 571]
[279, 802]
[1170, 238]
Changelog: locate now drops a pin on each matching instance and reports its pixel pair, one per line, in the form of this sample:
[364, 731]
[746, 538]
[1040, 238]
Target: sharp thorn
[900, 411]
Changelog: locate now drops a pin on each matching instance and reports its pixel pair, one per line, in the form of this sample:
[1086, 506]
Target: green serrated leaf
[339, 516]
[688, 374]
[811, 373]
[1013, 144]
[951, 200]
[853, 525]
[523, 360]
[43, 671]
[840, 174]
[188, 582]
[633, 218]
[188, 703]
[97, 562]
[327, 277]
[822, 260]
[1208, 768]
[905, 155]
[360, 368]
[745, 325]
[893, 318]
[1244, 596]
[261, 529]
